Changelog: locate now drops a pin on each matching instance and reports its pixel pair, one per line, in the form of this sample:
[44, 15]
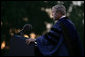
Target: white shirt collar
[62, 16]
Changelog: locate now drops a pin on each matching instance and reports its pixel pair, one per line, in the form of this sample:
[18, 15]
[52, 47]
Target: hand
[28, 41]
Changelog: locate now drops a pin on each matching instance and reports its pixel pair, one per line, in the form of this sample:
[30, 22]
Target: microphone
[27, 28]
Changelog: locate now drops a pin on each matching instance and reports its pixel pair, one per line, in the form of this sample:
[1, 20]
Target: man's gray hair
[60, 8]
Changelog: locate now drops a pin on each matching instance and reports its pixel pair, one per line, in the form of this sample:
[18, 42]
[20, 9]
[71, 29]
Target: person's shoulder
[67, 22]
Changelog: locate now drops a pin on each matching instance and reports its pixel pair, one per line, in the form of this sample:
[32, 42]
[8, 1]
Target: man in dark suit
[62, 39]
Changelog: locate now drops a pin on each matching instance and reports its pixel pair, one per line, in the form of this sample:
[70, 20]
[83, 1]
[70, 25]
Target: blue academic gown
[53, 44]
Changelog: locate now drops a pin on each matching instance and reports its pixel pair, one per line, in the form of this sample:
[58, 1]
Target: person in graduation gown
[62, 39]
